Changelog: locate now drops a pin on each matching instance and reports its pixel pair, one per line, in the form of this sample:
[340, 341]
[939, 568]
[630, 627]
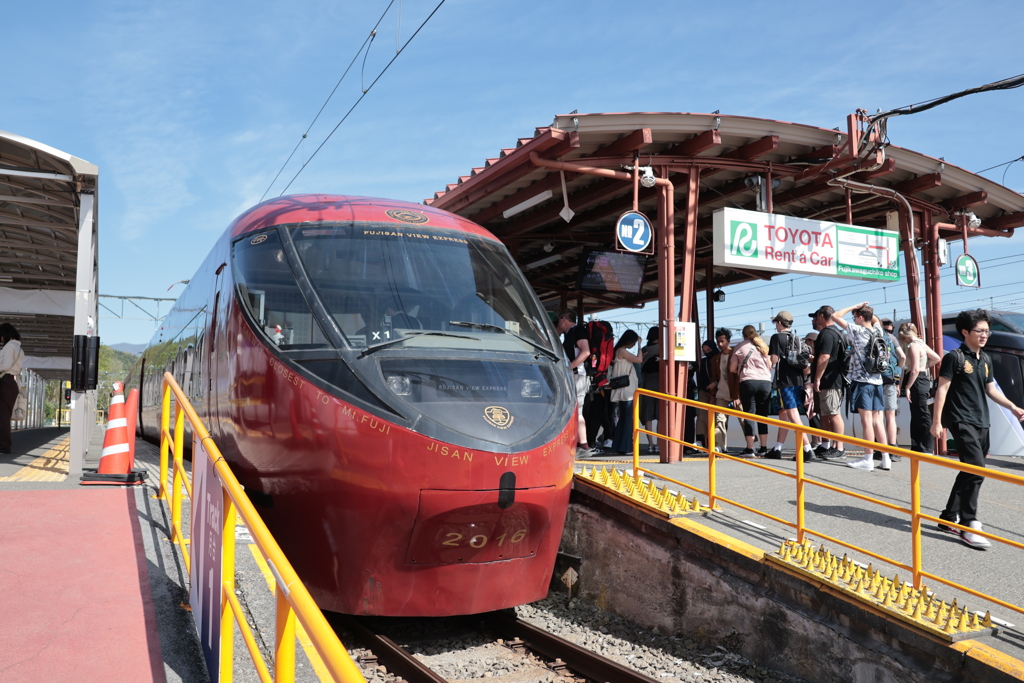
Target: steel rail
[389, 653]
[579, 659]
[916, 516]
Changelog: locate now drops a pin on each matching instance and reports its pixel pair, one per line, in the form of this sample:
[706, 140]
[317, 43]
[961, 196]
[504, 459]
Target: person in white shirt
[11, 358]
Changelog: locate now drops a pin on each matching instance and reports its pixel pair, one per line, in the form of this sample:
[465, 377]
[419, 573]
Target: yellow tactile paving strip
[53, 465]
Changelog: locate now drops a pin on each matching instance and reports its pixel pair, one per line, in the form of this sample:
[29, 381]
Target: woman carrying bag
[623, 383]
[11, 358]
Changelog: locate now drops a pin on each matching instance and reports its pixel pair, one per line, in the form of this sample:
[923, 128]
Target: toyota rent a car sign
[784, 244]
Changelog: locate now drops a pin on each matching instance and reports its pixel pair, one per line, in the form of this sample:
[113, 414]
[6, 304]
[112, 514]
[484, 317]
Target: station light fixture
[972, 220]
[719, 296]
[648, 179]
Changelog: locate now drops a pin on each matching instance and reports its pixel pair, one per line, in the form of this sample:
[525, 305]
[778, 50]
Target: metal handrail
[916, 459]
[293, 600]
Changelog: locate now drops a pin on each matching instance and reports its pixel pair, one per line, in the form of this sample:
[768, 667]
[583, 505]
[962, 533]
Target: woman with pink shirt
[753, 366]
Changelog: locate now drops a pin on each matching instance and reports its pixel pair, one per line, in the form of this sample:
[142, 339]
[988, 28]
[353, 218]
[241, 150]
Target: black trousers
[755, 395]
[597, 415]
[972, 446]
[921, 416]
[8, 397]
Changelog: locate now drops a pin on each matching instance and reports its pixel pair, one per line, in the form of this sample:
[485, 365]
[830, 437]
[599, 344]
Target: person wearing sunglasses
[965, 380]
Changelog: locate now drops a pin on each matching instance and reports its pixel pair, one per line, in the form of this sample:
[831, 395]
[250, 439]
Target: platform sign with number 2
[633, 233]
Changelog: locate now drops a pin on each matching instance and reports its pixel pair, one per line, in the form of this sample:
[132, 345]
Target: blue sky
[190, 108]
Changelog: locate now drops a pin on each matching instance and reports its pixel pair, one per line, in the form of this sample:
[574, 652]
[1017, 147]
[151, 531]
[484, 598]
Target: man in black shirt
[789, 380]
[829, 382]
[577, 349]
[965, 379]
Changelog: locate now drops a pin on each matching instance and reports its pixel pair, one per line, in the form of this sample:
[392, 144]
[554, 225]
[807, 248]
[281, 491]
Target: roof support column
[906, 224]
[669, 415]
[83, 404]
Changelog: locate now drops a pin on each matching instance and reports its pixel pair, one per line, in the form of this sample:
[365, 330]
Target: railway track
[529, 653]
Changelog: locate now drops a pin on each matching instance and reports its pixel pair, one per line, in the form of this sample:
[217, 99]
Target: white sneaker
[607, 443]
[865, 464]
[886, 464]
[974, 540]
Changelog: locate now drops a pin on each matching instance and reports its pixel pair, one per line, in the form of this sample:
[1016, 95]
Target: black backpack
[876, 354]
[892, 372]
[798, 353]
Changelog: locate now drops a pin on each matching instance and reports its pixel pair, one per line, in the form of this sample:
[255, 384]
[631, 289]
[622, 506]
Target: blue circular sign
[633, 231]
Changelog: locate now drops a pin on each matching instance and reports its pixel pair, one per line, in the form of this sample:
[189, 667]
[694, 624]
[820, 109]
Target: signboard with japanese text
[633, 232]
[784, 244]
[686, 341]
[205, 575]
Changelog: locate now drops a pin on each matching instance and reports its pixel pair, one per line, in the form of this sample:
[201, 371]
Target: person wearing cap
[789, 380]
[829, 379]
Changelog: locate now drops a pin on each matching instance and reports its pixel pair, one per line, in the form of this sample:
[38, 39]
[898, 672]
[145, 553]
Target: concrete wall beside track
[689, 580]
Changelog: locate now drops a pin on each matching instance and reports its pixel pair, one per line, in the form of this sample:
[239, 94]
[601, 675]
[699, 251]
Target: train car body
[390, 392]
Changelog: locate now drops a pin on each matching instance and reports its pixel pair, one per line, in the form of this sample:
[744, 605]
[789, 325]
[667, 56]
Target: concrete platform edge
[702, 583]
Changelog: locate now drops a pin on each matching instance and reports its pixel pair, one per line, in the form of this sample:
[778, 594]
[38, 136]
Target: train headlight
[531, 388]
[399, 385]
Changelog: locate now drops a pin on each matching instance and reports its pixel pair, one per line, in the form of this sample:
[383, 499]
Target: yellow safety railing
[916, 459]
[293, 600]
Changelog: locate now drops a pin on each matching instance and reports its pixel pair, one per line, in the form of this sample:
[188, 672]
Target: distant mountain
[134, 349]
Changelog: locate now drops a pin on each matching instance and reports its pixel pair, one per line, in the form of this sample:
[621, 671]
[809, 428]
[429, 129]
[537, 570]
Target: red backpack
[602, 351]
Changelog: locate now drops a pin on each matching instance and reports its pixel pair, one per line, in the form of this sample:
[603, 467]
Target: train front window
[269, 293]
[389, 282]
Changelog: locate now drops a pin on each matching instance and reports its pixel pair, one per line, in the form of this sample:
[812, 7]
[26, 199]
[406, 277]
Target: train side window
[1007, 373]
[270, 295]
[997, 326]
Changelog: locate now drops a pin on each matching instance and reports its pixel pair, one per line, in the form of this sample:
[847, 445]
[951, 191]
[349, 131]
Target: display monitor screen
[611, 271]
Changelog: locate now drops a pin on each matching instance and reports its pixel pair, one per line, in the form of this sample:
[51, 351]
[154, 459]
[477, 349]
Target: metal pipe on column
[666, 220]
[709, 296]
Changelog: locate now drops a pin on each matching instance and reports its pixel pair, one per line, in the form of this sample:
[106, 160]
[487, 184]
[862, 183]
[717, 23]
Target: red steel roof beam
[1010, 220]
[632, 142]
[701, 142]
[966, 201]
[589, 195]
[499, 174]
[919, 184]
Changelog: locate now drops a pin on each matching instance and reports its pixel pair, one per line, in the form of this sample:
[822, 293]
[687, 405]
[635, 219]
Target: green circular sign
[967, 272]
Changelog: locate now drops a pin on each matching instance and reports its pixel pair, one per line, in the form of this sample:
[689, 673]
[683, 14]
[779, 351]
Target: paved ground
[997, 572]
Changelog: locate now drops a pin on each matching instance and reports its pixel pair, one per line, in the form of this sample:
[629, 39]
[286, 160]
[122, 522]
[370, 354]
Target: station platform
[88, 593]
[998, 571]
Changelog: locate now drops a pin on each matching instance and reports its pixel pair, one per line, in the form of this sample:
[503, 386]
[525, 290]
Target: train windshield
[387, 283]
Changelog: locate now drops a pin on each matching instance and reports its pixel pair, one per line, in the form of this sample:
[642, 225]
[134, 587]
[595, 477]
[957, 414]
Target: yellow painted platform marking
[1000, 661]
[53, 465]
[300, 633]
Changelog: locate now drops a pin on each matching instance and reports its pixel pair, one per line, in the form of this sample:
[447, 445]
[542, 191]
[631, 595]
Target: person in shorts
[961, 406]
[576, 343]
[867, 395]
[790, 382]
[891, 387]
[829, 378]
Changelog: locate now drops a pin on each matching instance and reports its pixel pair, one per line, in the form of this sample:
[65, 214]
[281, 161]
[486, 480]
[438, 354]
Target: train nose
[491, 525]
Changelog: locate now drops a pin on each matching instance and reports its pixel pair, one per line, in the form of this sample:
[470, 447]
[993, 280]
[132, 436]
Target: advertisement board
[205, 575]
[784, 244]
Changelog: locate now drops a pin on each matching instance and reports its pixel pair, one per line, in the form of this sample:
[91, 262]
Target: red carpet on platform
[75, 602]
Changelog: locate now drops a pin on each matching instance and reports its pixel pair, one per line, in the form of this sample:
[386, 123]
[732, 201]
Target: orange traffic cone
[115, 459]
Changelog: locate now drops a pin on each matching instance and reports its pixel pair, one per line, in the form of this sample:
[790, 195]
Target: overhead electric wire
[1005, 84]
[369, 38]
[356, 104]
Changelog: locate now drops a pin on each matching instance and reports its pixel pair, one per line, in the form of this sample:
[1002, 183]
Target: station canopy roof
[728, 149]
[40, 198]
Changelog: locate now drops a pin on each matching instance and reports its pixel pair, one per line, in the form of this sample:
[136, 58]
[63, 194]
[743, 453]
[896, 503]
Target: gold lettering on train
[511, 461]
[375, 424]
[450, 451]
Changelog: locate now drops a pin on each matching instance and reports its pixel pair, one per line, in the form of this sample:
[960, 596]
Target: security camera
[973, 221]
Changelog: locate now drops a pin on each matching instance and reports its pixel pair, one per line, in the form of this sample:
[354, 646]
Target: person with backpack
[961, 406]
[829, 378]
[651, 355]
[576, 343]
[752, 364]
[869, 356]
[792, 359]
[891, 378]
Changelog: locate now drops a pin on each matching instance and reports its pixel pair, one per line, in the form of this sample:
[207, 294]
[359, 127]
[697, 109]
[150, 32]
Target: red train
[391, 394]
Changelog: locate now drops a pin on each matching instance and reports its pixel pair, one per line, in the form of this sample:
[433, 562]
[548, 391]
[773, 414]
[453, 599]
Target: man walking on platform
[829, 382]
[965, 379]
[723, 386]
[867, 395]
[789, 379]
